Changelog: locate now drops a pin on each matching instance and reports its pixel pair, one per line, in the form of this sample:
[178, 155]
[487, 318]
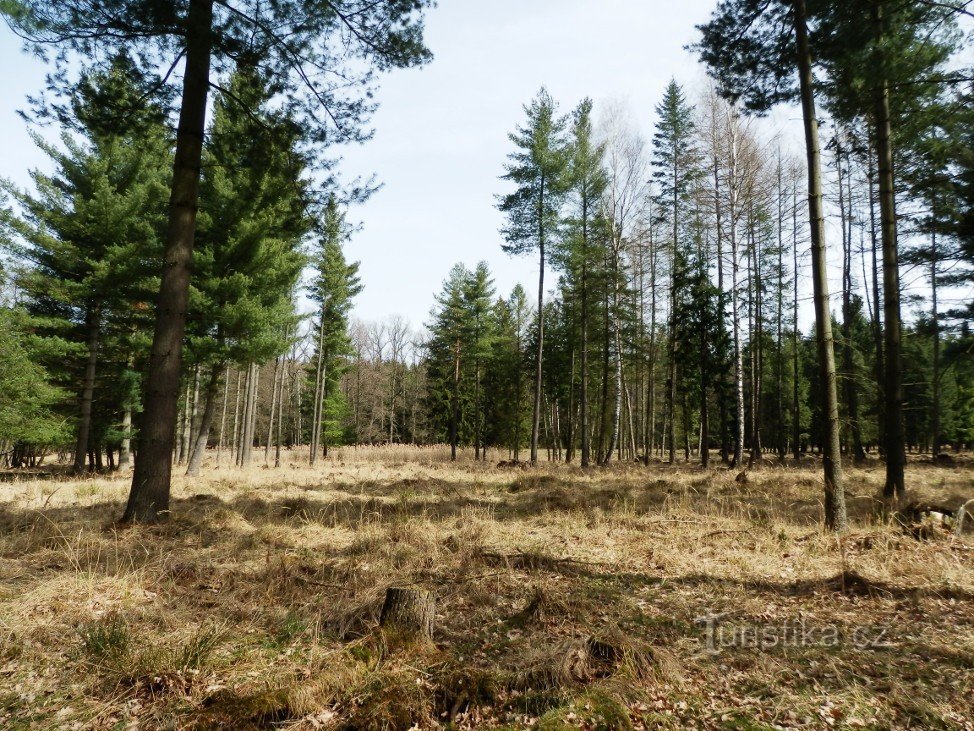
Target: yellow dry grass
[565, 599]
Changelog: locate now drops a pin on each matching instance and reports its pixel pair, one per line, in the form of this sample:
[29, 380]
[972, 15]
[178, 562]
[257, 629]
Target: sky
[440, 134]
[440, 139]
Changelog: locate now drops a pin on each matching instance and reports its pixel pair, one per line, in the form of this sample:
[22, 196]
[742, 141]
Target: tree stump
[408, 610]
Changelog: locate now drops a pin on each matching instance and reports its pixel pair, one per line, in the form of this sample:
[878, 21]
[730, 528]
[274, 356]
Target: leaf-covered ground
[616, 598]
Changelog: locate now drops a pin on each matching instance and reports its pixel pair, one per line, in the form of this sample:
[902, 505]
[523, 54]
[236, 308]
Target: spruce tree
[676, 162]
[334, 287]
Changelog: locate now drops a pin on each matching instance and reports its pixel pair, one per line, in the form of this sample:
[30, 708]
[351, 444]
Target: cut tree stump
[409, 610]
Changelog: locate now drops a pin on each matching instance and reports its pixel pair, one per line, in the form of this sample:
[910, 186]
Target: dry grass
[565, 599]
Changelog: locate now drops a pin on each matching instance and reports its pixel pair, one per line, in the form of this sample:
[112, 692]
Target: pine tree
[585, 236]
[90, 233]
[248, 260]
[534, 209]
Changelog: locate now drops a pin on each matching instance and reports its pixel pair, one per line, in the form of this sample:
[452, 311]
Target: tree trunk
[895, 451]
[935, 316]
[586, 443]
[848, 358]
[223, 416]
[210, 392]
[125, 449]
[92, 329]
[149, 495]
[877, 325]
[536, 416]
[274, 406]
[796, 406]
[835, 510]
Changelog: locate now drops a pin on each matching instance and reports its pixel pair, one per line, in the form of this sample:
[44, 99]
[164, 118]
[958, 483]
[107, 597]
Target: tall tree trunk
[781, 439]
[210, 391]
[617, 348]
[317, 416]
[835, 510]
[248, 445]
[455, 406]
[586, 440]
[182, 447]
[235, 440]
[92, 330]
[935, 316]
[735, 303]
[125, 448]
[223, 416]
[149, 497]
[191, 421]
[848, 358]
[796, 404]
[877, 325]
[536, 416]
[895, 448]
[274, 406]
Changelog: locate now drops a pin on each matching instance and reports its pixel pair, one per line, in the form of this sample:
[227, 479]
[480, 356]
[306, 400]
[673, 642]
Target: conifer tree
[91, 232]
[534, 210]
[676, 162]
[248, 252]
[335, 286]
[585, 233]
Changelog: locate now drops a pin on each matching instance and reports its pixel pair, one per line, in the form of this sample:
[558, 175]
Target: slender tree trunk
[835, 510]
[223, 416]
[796, 405]
[935, 316]
[280, 419]
[895, 450]
[125, 449]
[317, 416]
[652, 351]
[617, 347]
[149, 497]
[877, 325]
[455, 407]
[182, 447]
[270, 421]
[735, 303]
[781, 439]
[211, 389]
[235, 440]
[248, 445]
[92, 330]
[848, 359]
[586, 441]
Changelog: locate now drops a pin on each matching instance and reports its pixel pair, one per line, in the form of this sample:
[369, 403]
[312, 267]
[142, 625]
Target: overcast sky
[441, 131]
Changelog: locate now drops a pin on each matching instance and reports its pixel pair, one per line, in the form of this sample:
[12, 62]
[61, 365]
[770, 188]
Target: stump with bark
[410, 611]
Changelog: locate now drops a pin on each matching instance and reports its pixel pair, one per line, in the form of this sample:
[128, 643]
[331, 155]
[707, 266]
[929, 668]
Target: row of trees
[673, 325]
[714, 212]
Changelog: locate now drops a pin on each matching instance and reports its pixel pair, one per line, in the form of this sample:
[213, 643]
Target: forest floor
[618, 598]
